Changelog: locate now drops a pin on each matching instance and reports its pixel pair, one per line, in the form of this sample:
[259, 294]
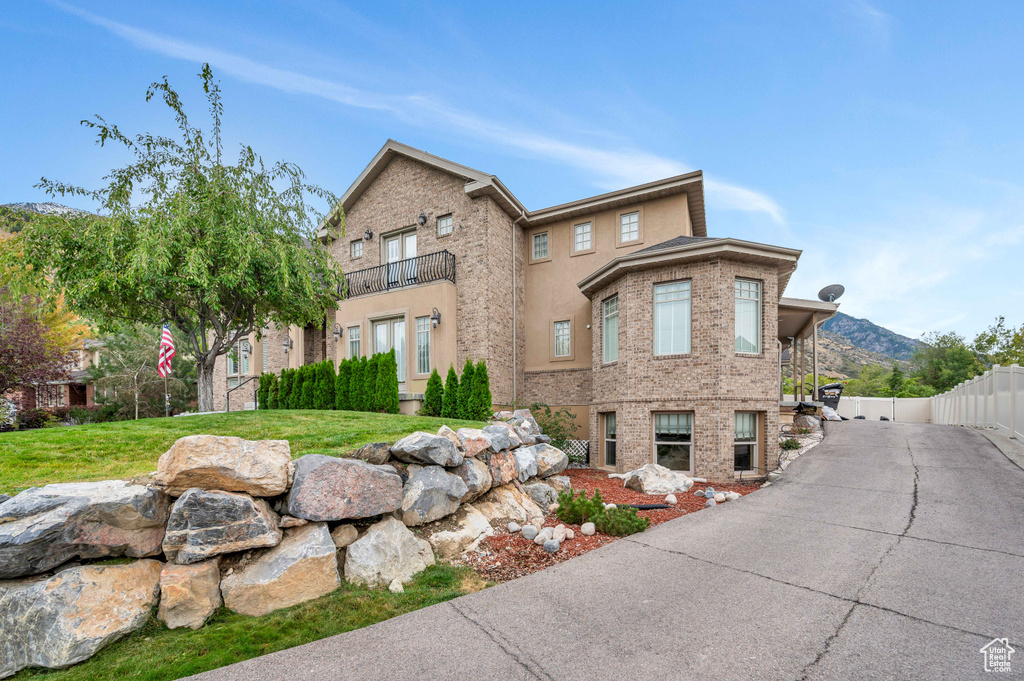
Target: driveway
[890, 551]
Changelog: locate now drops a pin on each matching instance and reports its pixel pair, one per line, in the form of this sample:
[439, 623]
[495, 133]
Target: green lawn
[106, 451]
[155, 653]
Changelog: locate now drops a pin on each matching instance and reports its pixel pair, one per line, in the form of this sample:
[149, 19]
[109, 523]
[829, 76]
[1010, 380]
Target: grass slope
[106, 451]
[155, 653]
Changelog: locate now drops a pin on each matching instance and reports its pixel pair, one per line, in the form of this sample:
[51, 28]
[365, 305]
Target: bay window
[672, 318]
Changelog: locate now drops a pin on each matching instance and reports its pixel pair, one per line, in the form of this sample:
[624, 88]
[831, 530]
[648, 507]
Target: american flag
[163, 364]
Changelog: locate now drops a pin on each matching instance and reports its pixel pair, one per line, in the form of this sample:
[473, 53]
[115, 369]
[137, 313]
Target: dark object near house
[862, 417]
[806, 408]
[883, 418]
[645, 507]
[830, 394]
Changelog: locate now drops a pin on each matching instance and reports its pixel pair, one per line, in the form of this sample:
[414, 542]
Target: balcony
[423, 269]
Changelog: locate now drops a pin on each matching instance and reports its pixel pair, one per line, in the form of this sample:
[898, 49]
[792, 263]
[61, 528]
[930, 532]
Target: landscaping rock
[671, 499]
[559, 482]
[732, 496]
[503, 415]
[3, 498]
[204, 524]
[396, 587]
[569, 534]
[388, 551]
[551, 546]
[302, 567]
[475, 442]
[44, 527]
[588, 529]
[375, 453]
[655, 479]
[609, 507]
[530, 532]
[527, 416]
[344, 535]
[514, 527]
[526, 463]
[431, 494]
[507, 430]
[543, 495]
[448, 433]
[506, 503]
[542, 439]
[189, 594]
[328, 488]
[459, 534]
[502, 467]
[709, 503]
[262, 468]
[558, 534]
[291, 521]
[809, 422]
[57, 621]
[553, 508]
[719, 498]
[424, 448]
[550, 460]
[477, 476]
[545, 534]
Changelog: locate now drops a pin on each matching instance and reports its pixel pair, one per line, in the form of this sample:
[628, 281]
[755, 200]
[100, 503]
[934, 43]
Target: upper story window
[444, 225]
[357, 248]
[748, 316]
[672, 318]
[353, 341]
[610, 329]
[629, 226]
[563, 339]
[238, 362]
[582, 237]
[540, 245]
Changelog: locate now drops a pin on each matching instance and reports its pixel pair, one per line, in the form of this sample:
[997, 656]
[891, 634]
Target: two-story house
[664, 341]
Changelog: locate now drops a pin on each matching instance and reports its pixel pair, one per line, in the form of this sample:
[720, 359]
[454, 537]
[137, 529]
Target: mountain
[13, 216]
[872, 337]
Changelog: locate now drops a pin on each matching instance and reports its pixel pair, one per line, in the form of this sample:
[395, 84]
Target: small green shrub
[341, 385]
[272, 392]
[308, 373]
[480, 401]
[790, 443]
[578, 509]
[386, 392]
[558, 425]
[323, 392]
[450, 398]
[465, 408]
[620, 522]
[433, 397]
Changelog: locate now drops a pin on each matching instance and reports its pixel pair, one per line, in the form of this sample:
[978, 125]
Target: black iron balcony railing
[439, 266]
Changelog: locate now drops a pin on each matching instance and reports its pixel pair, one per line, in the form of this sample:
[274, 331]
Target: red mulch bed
[506, 556]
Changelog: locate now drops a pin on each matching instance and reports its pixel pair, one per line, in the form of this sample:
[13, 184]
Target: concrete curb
[1013, 449]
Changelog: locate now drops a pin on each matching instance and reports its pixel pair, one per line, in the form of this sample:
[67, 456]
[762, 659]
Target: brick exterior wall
[712, 381]
[557, 387]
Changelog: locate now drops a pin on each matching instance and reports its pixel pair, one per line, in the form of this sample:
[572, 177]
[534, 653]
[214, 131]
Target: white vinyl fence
[993, 400]
[904, 409]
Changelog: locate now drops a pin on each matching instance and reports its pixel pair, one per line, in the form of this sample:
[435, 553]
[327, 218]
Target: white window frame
[356, 249]
[534, 240]
[354, 336]
[445, 226]
[609, 417]
[237, 368]
[390, 339]
[755, 441]
[629, 227]
[422, 345]
[563, 334]
[586, 230]
[747, 290]
[685, 418]
[610, 341]
[673, 295]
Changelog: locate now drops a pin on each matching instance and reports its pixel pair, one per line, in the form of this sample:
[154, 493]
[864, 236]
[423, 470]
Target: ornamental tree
[218, 250]
[27, 353]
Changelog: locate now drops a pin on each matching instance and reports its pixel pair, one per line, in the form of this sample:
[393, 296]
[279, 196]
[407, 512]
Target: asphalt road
[890, 551]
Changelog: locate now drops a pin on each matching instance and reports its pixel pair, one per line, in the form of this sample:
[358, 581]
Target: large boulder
[205, 523]
[503, 429]
[386, 552]
[430, 494]
[475, 442]
[189, 594]
[506, 503]
[476, 475]
[427, 449]
[262, 468]
[45, 526]
[459, 534]
[302, 567]
[559, 482]
[526, 416]
[502, 467]
[655, 479]
[526, 463]
[550, 460]
[809, 423]
[375, 453]
[327, 488]
[3, 498]
[542, 494]
[57, 621]
[451, 435]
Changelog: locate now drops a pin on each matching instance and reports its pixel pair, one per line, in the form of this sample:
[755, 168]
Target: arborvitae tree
[433, 398]
[261, 390]
[465, 408]
[387, 383]
[284, 389]
[355, 384]
[295, 391]
[450, 399]
[481, 393]
[341, 383]
[272, 392]
[323, 394]
[370, 372]
[308, 372]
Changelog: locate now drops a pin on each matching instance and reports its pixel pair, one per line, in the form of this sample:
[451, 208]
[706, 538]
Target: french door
[398, 248]
[388, 334]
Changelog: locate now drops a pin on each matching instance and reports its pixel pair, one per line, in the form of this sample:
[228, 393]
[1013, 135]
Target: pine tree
[341, 400]
[450, 399]
[355, 384]
[465, 408]
[272, 392]
[433, 398]
[308, 372]
[481, 393]
[387, 384]
[370, 383]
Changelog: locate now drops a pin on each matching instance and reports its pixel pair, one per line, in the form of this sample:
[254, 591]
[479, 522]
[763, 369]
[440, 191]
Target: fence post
[1013, 401]
[995, 397]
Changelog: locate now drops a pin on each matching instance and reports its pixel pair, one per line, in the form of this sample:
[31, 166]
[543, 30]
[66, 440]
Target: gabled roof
[479, 183]
[682, 249]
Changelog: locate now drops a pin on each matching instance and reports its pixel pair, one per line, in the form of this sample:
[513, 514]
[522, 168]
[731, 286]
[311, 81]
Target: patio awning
[799, 320]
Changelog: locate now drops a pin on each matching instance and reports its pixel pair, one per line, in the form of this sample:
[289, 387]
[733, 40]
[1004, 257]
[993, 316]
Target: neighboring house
[664, 341]
[73, 392]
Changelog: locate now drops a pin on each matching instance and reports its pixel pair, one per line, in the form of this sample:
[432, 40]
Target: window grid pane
[610, 332]
[672, 318]
[610, 443]
[357, 249]
[629, 226]
[746, 427]
[673, 439]
[748, 316]
[423, 345]
[540, 245]
[353, 341]
[582, 237]
[444, 225]
[562, 340]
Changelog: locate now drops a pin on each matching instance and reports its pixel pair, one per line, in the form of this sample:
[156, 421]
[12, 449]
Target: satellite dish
[829, 294]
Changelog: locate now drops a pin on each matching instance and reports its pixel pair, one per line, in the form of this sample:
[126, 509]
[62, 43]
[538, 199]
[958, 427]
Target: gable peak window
[629, 226]
[444, 225]
[540, 245]
[748, 316]
[582, 238]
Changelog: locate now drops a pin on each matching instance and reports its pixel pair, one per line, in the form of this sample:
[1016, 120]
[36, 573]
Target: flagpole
[167, 400]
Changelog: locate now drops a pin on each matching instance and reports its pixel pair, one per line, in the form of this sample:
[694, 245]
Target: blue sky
[883, 139]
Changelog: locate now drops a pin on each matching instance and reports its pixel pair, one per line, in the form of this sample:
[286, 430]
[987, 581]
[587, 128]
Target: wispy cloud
[611, 168]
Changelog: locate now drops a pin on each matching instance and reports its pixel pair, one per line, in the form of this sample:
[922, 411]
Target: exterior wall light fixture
[368, 235]
[435, 318]
[422, 219]
[337, 332]
[288, 345]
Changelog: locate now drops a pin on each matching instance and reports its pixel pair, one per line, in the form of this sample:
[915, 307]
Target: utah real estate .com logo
[997, 655]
